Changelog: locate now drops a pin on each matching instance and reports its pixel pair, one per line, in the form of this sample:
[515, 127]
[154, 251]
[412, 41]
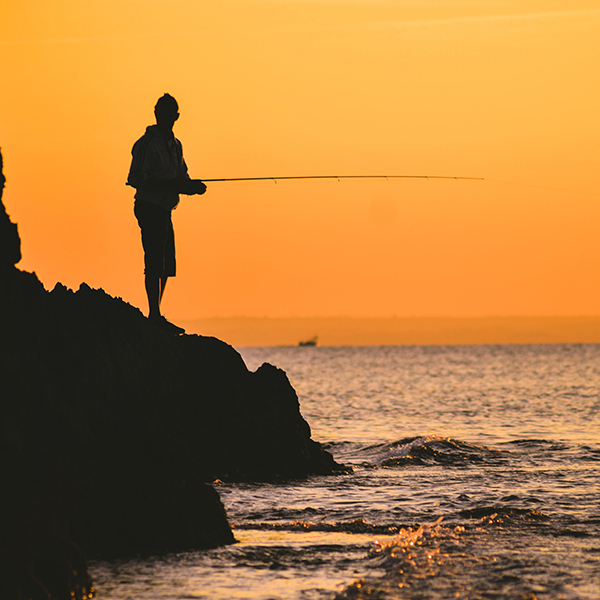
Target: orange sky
[506, 90]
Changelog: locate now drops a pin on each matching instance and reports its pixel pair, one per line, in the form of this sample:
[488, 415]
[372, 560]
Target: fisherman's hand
[197, 186]
[192, 186]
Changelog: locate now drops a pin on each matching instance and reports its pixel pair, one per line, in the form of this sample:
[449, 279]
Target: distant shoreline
[394, 331]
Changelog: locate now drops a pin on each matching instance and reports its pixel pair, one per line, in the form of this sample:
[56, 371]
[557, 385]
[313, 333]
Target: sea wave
[419, 450]
[503, 514]
[354, 526]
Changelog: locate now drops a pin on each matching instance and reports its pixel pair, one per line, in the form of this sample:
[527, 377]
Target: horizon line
[491, 316]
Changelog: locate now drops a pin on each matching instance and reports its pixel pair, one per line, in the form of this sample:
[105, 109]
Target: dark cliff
[109, 429]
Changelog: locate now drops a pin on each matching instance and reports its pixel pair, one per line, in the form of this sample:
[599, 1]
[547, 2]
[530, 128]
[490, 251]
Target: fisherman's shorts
[158, 239]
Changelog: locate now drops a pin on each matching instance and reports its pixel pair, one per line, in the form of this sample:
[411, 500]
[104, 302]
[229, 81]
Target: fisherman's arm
[181, 185]
[184, 184]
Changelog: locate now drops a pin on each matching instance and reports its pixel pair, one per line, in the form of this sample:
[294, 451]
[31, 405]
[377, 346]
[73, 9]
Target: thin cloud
[402, 25]
[414, 24]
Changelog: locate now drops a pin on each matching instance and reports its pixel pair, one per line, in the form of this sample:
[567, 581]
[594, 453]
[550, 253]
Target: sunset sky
[508, 90]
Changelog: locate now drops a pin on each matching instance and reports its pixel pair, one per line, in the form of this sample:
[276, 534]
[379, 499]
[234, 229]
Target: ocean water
[476, 474]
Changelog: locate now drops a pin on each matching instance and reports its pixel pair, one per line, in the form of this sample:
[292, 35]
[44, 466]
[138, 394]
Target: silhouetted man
[159, 174]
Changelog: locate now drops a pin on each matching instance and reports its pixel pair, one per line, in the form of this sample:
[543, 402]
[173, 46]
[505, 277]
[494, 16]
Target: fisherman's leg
[158, 284]
[153, 291]
[154, 225]
[169, 268]
[169, 262]
[163, 285]
[160, 320]
[159, 259]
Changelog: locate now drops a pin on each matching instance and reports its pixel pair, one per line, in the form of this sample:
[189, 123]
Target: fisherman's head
[166, 111]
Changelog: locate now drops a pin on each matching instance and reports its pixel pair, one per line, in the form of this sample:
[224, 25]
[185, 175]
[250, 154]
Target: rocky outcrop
[109, 429]
[191, 394]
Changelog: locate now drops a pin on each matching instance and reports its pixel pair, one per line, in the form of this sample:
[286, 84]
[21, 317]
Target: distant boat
[312, 342]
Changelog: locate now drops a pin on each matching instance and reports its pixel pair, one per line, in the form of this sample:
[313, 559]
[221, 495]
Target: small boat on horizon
[312, 342]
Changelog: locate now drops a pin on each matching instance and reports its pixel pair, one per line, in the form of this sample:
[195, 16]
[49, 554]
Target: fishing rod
[339, 177]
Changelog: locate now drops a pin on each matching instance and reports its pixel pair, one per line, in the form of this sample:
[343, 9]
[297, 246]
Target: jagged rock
[131, 420]
[109, 429]
[195, 393]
